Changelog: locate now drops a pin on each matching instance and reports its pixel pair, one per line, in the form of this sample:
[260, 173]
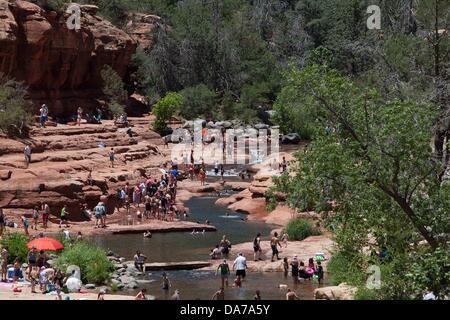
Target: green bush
[94, 265]
[299, 229]
[115, 108]
[164, 109]
[16, 243]
[345, 267]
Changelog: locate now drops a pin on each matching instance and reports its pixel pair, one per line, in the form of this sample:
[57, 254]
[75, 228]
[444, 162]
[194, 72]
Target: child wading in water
[166, 282]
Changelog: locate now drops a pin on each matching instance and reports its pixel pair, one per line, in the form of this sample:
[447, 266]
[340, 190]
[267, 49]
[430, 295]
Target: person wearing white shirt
[27, 154]
[240, 264]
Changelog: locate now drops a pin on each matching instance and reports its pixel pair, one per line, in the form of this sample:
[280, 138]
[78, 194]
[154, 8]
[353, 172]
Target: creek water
[184, 246]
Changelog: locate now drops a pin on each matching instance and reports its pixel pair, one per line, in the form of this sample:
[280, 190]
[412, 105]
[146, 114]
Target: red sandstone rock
[34, 43]
[5, 174]
[250, 206]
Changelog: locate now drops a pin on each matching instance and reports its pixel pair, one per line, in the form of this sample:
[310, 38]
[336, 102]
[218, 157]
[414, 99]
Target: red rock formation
[60, 66]
[140, 26]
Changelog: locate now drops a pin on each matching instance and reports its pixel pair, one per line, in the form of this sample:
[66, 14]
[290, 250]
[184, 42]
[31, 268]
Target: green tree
[113, 88]
[165, 109]
[16, 244]
[14, 109]
[198, 101]
[373, 167]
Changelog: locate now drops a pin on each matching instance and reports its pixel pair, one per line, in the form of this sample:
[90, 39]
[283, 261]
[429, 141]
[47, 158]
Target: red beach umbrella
[45, 244]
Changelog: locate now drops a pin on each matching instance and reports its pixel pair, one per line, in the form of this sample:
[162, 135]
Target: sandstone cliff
[60, 66]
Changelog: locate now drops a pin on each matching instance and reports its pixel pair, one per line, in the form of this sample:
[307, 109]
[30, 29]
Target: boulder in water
[291, 138]
[261, 126]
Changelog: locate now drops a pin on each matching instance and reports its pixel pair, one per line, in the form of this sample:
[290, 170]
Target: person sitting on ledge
[139, 260]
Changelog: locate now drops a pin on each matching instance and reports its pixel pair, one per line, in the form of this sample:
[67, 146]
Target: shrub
[342, 269]
[113, 85]
[115, 108]
[16, 243]
[94, 265]
[299, 229]
[14, 109]
[114, 287]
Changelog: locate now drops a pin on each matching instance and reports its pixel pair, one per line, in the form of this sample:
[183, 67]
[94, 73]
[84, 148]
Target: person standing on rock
[63, 217]
[27, 155]
[285, 239]
[103, 211]
[257, 247]
[137, 196]
[32, 259]
[26, 225]
[43, 115]
[98, 215]
[111, 157]
[79, 116]
[45, 215]
[202, 176]
[225, 244]
[35, 216]
[274, 243]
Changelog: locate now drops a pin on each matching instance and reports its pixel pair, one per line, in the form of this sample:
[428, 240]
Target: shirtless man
[274, 243]
[291, 295]
[219, 295]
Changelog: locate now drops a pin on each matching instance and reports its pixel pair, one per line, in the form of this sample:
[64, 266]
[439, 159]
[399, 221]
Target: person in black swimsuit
[294, 268]
[257, 247]
[2, 222]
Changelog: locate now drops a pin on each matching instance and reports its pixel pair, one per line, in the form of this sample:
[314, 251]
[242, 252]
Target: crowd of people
[151, 198]
[38, 272]
[298, 270]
